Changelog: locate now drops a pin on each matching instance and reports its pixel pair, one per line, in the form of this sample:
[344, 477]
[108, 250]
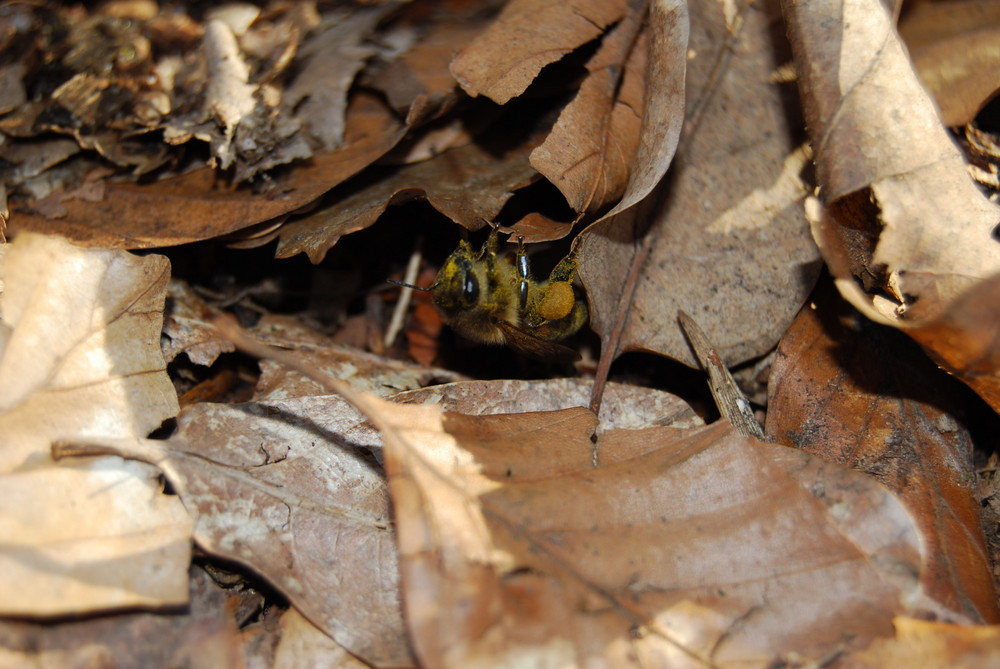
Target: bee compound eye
[470, 291]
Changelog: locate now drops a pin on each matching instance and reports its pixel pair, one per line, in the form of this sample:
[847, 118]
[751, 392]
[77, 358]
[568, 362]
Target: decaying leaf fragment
[80, 358]
[197, 205]
[683, 549]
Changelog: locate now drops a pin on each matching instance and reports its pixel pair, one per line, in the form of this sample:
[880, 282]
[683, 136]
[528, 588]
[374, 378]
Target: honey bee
[493, 299]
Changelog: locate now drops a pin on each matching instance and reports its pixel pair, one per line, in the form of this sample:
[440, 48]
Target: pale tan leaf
[923, 644]
[904, 219]
[82, 359]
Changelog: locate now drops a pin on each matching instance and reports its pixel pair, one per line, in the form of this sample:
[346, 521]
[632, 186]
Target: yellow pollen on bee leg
[558, 301]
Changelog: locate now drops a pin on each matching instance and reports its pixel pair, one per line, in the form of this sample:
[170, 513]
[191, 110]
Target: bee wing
[534, 347]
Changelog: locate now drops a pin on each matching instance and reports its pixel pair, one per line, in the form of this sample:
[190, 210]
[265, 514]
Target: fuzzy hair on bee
[494, 299]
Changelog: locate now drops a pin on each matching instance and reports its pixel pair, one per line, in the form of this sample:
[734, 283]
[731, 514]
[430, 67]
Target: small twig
[612, 340]
[405, 295]
[731, 401]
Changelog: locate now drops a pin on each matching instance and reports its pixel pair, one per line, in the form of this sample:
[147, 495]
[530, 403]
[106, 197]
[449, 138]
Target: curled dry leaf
[904, 224]
[724, 232]
[684, 549]
[837, 392]
[287, 488]
[198, 205]
[80, 358]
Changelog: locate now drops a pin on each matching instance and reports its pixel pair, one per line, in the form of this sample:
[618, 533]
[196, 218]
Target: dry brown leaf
[663, 99]
[724, 231]
[953, 47]
[684, 549]
[862, 395]
[965, 339]
[419, 81]
[288, 489]
[905, 230]
[469, 184]
[535, 228]
[589, 153]
[199, 205]
[80, 357]
[203, 636]
[527, 36]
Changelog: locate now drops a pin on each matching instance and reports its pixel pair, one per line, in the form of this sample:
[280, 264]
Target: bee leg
[488, 254]
[565, 270]
[489, 250]
[559, 298]
[523, 273]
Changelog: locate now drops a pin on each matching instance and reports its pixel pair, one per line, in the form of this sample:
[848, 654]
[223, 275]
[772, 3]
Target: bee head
[457, 286]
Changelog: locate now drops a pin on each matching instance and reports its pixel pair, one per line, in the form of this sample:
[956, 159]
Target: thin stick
[731, 401]
[405, 295]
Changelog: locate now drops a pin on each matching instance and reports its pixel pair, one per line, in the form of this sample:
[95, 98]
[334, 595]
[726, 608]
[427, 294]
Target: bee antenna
[410, 285]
